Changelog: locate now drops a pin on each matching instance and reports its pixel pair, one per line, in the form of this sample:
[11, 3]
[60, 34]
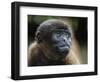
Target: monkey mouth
[64, 47]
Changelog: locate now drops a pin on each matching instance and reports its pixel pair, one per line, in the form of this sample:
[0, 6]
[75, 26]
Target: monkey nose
[64, 39]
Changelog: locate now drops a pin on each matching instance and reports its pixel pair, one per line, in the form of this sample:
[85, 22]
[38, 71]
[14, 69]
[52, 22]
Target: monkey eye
[67, 35]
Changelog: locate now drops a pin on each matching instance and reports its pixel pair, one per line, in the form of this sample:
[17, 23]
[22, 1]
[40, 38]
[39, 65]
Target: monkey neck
[49, 55]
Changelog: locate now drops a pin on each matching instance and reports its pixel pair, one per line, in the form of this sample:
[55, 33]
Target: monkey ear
[38, 37]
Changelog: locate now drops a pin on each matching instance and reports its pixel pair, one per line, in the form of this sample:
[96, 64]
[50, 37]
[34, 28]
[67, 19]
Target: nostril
[64, 40]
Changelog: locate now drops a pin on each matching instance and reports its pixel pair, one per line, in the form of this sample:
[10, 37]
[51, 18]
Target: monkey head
[57, 35]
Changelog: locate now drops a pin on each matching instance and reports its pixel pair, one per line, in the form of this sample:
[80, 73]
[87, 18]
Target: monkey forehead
[52, 24]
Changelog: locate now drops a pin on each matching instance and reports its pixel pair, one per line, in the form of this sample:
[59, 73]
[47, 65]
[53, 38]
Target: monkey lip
[64, 46]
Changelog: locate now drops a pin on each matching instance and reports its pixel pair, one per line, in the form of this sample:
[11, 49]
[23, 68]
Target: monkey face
[57, 35]
[60, 41]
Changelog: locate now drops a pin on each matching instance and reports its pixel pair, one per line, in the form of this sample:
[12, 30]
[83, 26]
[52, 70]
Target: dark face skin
[60, 41]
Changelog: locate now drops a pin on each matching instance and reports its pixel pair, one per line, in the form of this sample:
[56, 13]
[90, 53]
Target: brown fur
[40, 55]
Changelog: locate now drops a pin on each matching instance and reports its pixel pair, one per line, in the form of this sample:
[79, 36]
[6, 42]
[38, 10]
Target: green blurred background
[78, 25]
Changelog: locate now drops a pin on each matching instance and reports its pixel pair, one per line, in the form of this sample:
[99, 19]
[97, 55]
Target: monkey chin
[62, 54]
